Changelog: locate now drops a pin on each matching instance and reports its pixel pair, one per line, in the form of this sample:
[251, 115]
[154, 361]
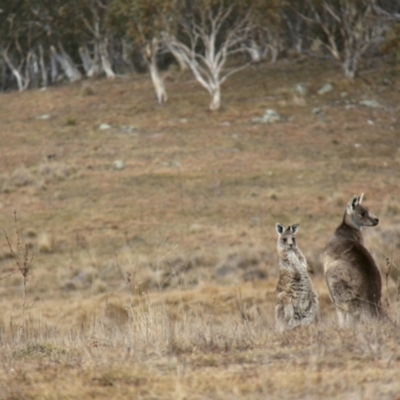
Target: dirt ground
[152, 231]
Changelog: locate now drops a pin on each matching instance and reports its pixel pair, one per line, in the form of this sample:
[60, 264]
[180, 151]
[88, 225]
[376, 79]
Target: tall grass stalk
[23, 261]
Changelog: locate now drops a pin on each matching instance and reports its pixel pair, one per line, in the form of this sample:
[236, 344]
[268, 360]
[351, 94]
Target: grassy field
[154, 263]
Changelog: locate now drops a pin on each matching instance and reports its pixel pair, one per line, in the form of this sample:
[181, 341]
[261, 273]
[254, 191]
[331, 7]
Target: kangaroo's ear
[280, 228]
[352, 204]
[294, 228]
[360, 199]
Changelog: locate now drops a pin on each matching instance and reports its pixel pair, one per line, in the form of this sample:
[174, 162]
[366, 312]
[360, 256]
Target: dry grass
[157, 281]
[212, 342]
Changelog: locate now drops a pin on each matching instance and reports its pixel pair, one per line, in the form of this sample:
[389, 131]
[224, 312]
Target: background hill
[152, 230]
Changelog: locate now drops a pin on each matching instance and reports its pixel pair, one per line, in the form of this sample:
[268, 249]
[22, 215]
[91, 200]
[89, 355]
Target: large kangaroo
[353, 279]
[296, 301]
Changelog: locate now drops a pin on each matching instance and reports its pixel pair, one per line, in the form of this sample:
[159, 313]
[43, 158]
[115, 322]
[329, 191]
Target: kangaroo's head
[357, 215]
[286, 237]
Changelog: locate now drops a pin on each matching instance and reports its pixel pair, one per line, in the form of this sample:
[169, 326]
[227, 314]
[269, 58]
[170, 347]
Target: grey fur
[296, 301]
[353, 279]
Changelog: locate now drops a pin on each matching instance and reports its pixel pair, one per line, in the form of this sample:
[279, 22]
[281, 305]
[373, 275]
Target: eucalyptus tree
[78, 31]
[348, 29]
[56, 20]
[210, 32]
[18, 37]
[70, 30]
[91, 15]
[266, 34]
[296, 31]
[144, 23]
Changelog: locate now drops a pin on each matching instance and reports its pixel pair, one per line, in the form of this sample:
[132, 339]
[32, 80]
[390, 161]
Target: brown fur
[353, 279]
[296, 300]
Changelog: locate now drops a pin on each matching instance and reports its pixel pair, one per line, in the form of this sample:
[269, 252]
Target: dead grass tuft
[245, 265]
[38, 176]
[87, 90]
[54, 171]
[71, 121]
[45, 243]
[21, 176]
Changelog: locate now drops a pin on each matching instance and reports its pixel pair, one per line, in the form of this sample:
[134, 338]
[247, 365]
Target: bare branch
[331, 12]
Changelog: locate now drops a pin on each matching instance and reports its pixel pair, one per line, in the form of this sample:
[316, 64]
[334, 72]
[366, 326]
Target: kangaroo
[296, 301]
[352, 277]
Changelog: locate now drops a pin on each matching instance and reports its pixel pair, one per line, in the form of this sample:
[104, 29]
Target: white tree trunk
[22, 82]
[350, 64]
[18, 77]
[158, 83]
[105, 58]
[32, 69]
[53, 68]
[274, 53]
[215, 98]
[66, 63]
[255, 52]
[42, 66]
[150, 53]
[86, 60]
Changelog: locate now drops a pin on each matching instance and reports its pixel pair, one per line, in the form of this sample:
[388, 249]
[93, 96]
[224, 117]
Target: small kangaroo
[353, 279]
[296, 301]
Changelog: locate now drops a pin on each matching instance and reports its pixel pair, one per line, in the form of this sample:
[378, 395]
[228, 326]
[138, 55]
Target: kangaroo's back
[353, 279]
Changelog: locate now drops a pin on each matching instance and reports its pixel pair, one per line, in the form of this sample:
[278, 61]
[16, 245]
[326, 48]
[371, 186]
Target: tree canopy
[43, 41]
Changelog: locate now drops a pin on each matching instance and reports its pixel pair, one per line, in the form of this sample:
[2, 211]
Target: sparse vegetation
[158, 280]
[71, 121]
[23, 263]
